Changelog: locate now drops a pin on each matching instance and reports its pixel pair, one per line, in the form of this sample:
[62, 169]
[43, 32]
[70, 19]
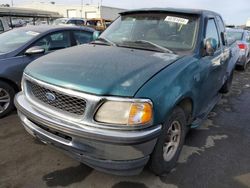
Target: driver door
[211, 68]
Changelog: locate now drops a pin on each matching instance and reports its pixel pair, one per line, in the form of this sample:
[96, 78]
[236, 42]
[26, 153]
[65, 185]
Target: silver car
[242, 38]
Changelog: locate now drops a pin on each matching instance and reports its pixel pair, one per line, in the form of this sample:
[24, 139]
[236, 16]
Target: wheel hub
[172, 141]
[4, 100]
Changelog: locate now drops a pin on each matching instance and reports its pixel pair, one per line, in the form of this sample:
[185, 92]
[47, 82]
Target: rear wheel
[7, 94]
[243, 67]
[170, 143]
[227, 85]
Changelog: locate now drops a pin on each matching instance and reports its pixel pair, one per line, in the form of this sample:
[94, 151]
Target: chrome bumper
[113, 151]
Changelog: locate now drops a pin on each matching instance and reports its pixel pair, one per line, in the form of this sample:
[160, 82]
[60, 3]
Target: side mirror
[35, 50]
[211, 46]
[223, 38]
[96, 34]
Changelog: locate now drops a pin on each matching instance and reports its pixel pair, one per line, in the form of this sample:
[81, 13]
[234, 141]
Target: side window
[54, 41]
[72, 22]
[1, 26]
[211, 31]
[82, 37]
[79, 22]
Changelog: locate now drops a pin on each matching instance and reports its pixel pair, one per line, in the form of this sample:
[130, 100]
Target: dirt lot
[215, 155]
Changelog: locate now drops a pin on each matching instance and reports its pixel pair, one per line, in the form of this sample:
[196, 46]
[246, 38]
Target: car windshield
[235, 35]
[176, 32]
[14, 39]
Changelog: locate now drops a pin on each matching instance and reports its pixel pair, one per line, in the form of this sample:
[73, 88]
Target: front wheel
[170, 143]
[7, 94]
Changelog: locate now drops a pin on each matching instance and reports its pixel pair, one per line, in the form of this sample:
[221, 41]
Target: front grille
[66, 103]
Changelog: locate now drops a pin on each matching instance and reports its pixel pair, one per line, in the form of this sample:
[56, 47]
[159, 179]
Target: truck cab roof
[174, 10]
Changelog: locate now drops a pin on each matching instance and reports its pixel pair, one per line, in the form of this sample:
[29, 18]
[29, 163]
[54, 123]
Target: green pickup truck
[129, 98]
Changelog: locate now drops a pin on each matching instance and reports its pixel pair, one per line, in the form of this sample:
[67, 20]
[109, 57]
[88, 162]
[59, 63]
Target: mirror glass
[211, 46]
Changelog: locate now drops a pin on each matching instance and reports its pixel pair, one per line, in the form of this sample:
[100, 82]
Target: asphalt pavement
[217, 154]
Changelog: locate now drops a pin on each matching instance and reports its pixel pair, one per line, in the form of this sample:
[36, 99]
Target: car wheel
[170, 143]
[244, 67]
[227, 85]
[7, 94]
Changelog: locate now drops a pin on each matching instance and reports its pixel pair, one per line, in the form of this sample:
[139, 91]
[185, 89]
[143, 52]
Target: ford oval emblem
[50, 96]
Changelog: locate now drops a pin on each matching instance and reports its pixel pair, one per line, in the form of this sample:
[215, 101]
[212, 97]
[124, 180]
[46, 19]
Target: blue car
[21, 46]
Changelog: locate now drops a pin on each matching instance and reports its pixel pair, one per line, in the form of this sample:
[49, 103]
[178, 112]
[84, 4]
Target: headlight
[125, 113]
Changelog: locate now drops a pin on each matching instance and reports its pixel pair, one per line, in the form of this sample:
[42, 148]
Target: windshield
[176, 32]
[235, 35]
[12, 40]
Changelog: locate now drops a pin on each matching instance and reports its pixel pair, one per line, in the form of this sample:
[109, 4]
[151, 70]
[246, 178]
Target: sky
[233, 11]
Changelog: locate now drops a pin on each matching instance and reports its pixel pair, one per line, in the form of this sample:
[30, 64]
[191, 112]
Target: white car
[71, 21]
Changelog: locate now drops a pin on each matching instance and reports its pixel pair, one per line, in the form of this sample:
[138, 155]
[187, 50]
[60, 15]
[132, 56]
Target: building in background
[248, 23]
[17, 17]
[78, 11]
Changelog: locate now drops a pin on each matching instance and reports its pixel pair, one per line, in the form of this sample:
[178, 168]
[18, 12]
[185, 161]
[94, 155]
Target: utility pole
[81, 7]
[12, 3]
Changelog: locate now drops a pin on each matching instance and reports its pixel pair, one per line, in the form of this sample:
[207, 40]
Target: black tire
[244, 67]
[227, 85]
[5, 87]
[158, 164]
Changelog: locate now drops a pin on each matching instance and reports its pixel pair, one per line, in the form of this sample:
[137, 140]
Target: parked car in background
[98, 23]
[17, 23]
[242, 38]
[21, 46]
[3, 25]
[131, 97]
[71, 21]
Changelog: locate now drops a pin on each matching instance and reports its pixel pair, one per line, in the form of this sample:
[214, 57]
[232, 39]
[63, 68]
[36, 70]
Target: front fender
[170, 86]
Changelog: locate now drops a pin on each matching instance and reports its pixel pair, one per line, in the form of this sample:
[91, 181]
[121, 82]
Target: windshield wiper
[105, 40]
[163, 49]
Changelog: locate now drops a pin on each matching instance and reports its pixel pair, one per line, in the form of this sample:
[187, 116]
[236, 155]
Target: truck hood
[100, 70]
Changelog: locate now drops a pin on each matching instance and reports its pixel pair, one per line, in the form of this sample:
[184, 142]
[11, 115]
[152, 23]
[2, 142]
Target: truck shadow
[67, 176]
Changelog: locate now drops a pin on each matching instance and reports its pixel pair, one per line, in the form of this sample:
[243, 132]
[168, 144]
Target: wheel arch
[187, 105]
[11, 83]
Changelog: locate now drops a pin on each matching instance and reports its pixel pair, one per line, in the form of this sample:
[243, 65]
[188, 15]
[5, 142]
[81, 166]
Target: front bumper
[113, 151]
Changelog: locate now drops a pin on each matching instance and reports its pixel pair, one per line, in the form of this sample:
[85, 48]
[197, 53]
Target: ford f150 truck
[129, 98]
